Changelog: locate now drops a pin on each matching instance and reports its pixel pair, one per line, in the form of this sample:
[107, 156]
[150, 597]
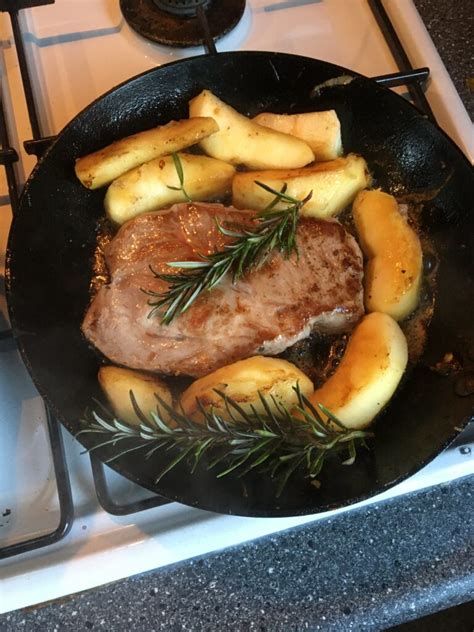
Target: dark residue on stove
[5, 513]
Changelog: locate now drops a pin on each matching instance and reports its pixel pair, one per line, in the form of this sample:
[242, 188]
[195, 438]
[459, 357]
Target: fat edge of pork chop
[265, 312]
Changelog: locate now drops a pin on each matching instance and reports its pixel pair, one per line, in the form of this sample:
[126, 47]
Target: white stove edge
[441, 93]
[116, 548]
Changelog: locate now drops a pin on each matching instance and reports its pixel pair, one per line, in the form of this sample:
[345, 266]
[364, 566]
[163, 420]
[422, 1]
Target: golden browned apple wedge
[244, 382]
[117, 383]
[394, 269]
[321, 130]
[369, 373]
[156, 185]
[240, 141]
[100, 168]
[334, 185]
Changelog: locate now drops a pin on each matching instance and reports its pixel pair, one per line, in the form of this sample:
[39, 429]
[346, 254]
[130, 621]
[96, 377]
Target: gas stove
[58, 538]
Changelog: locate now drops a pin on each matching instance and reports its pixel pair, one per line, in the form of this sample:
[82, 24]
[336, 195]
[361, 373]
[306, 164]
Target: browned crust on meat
[268, 309]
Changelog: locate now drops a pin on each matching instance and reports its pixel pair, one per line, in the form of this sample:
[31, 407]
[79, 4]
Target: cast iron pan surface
[53, 237]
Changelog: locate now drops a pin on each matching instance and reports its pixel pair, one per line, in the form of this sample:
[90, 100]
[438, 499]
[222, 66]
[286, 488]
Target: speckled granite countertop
[451, 26]
[368, 569]
[372, 569]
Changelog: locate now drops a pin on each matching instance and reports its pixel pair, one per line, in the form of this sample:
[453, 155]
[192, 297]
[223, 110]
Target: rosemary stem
[277, 442]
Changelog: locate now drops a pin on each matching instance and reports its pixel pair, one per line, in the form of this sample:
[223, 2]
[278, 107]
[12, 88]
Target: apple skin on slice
[321, 130]
[155, 185]
[240, 141]
[333, 185]
[105, 165]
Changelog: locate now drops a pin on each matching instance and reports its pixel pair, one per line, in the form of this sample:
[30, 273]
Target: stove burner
[185, 8]
[174, 22]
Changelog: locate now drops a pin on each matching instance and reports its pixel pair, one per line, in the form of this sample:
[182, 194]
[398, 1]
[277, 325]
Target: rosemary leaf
[286, 475]
[352, 454]
[102, 422]
[132, 449]
[330, 416]
[180, 173]
[179, 457]
[317, 464]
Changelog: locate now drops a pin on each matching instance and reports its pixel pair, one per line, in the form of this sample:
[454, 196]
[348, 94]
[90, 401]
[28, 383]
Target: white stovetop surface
[78, 49]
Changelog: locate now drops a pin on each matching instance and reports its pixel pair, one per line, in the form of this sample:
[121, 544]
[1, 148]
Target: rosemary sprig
[278, 441]
[179, 171]
[276, 229]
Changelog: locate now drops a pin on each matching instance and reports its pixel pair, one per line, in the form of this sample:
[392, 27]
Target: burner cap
[158, 20]
[181, 7]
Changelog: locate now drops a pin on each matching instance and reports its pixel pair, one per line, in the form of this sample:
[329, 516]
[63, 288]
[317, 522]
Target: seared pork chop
[265, 312]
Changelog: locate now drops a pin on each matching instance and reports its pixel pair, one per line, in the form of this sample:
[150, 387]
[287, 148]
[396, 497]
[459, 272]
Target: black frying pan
[53, 238]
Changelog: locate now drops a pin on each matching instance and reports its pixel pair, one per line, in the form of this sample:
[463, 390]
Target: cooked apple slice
[334, 185]
[156, 185]
[100, 168]
[117, 383]
[244, 381]
[394, 269]
[321, 130]
[241, 141]
[369, 373]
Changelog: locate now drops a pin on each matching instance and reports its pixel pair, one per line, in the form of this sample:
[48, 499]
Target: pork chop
[264, 312]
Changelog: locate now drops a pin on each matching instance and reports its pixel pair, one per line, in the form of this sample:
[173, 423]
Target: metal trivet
[162, 27]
